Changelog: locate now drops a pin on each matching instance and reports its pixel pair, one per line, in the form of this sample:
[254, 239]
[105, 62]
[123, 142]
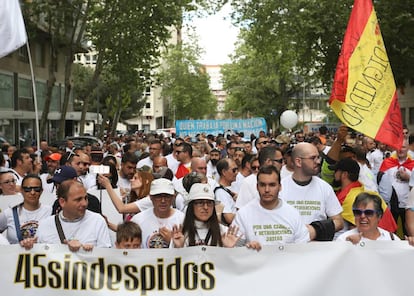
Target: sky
[217, 37]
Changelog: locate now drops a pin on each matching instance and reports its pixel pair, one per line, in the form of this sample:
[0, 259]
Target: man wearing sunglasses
[311, 196]
[227, 170]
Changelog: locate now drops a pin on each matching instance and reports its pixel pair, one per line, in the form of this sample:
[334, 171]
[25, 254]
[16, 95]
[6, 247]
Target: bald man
[310, 195]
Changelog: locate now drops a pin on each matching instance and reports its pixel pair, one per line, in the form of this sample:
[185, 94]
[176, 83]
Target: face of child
[134, 243]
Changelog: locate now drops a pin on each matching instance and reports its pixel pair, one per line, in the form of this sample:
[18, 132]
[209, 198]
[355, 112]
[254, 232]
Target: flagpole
[34, 97]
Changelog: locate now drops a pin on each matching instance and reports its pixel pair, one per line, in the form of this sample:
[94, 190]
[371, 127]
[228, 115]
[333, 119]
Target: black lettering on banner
[39, 272]
[147, 279]
[132, 283]
[80, 271]
[54, 280]
[114, 276]
[174, 273]
[35, 271]
[160, 265]
[209, 282]
[191, 276]
[97, 275]
[23, 270]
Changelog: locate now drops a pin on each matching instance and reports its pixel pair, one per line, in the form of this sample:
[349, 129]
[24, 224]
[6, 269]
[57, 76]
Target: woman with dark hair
[22, 220]
[201, 225]
[368, 211]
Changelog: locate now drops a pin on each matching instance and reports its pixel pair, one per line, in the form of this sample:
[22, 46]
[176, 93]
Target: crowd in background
[224, 190]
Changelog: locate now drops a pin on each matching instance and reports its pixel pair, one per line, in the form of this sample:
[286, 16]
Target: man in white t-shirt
[267, 156]
[156, 223]
[310, 195]
[270, 220]
[80, 228]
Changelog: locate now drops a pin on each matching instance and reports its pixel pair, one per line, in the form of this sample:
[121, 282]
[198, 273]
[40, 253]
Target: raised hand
[231, 237]
[178, 236]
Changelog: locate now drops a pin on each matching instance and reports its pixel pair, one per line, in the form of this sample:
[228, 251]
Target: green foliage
[185, 84]
[285, 45]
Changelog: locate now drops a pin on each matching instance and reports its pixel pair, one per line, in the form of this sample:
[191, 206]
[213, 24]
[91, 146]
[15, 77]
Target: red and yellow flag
[364, 95]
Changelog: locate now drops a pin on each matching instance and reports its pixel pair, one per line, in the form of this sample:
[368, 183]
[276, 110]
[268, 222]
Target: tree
[256, 83]
[185, 83]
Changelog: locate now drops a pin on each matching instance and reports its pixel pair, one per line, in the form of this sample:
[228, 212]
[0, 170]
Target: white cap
[201, 191]
[160, 186]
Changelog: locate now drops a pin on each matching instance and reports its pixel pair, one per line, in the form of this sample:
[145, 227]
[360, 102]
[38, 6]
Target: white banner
[331, 268]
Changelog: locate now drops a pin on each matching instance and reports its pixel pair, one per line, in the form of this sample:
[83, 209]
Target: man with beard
[269, 209]
[126, 173]
[248, 189]
[311, 196]
[212, 163]
[346, 176]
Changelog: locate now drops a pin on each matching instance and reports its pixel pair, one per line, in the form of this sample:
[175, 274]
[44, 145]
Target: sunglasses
[255, 167]
[202, 203]
[278, 160]
[29, 189]
[367, 212]
[234, 170]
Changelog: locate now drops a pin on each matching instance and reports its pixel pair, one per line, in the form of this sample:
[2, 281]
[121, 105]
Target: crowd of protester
[226, 190]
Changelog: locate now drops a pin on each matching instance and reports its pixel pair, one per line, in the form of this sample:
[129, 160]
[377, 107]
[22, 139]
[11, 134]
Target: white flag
[12, 29]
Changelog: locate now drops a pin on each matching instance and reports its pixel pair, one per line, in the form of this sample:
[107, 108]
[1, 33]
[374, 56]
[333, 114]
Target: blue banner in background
[214, 127]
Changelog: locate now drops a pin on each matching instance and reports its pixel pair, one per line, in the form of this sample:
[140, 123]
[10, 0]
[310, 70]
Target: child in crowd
[128, 236]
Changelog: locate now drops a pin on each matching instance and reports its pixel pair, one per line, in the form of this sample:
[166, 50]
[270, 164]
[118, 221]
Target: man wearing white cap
[156, 223]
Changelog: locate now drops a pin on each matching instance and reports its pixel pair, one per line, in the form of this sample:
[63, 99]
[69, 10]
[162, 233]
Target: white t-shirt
[384, 235]
[91, 229]
[201, 234]
[248, 191]
[29, 221]
[145, 161]
[282, 224]
[226, 199]
[315, 202]
[151, 224]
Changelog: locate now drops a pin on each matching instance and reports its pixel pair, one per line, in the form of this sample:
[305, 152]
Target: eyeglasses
[29, 189]
[202, 203]
[367, 212]
[314, 158]
[9, 182]
[280, 160]
[234, 169]
[255, 167]
[162, 196]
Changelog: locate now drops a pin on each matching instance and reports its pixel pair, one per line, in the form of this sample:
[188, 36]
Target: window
[411, 116]
[39, 58]
[6, 91]
[147, 105]
[403, 117]
[25, 101]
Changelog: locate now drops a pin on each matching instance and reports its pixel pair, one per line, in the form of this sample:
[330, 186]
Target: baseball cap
[201, 191]
[53, 156]
[160, 186]
[62, 174]
[346, 165]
